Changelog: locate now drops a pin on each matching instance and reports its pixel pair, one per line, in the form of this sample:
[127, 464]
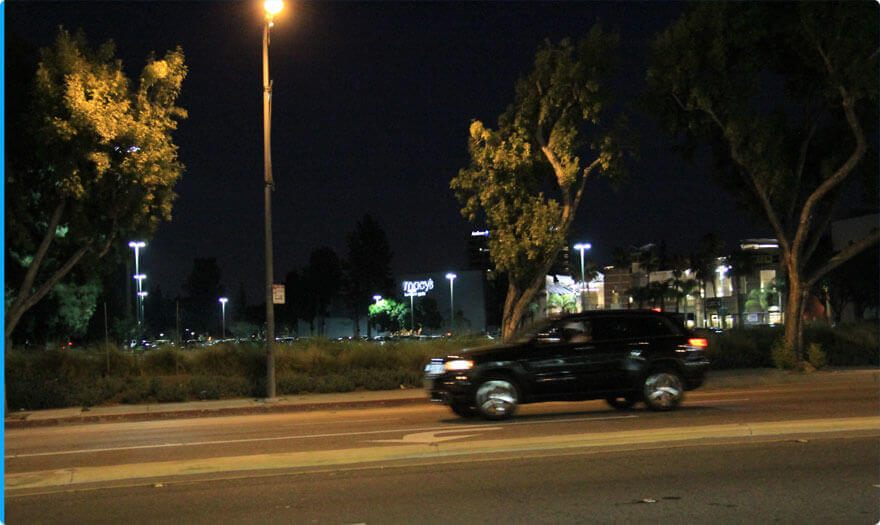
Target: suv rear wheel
[663, 390]
[496, 398]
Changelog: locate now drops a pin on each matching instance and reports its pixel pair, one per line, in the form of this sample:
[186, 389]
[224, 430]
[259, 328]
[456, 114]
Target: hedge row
[105, 375]
[852, 345]
[100, 375]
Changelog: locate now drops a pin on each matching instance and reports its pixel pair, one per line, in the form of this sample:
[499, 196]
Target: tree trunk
[794, 315]
[516, 304]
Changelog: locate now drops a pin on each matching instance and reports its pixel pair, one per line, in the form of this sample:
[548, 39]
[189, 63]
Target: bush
[784, 356]
[742, 348]
[816, 357]
[847, 345]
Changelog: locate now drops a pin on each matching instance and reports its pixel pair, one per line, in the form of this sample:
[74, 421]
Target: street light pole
[223, 314]
[272, 8]
[140, 301]
[136, 246]
[451, 277]
[583, 246]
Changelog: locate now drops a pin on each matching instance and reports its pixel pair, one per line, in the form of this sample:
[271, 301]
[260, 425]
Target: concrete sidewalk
[362, 399]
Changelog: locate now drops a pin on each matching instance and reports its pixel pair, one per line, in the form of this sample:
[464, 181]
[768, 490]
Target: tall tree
[91, 163]
[785, 94]
[551, 138]
[323, 282]
[202, 289]
[368, 268]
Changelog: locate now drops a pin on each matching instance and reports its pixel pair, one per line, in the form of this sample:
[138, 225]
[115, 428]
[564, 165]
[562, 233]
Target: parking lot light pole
[136, 246]
[582, 247]
[140, 300]
[272, 7]
[223, 301]
[451, 276]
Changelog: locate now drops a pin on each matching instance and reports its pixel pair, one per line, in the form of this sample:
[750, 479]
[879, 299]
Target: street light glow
[377, 298]
[273, 7]
[451, 276]
[142, 294]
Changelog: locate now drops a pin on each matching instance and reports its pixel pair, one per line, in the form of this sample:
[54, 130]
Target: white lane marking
[281, 438]
[704, 401]
[433, 437]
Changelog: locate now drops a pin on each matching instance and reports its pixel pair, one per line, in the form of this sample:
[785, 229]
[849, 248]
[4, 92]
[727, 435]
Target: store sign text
[417, 288]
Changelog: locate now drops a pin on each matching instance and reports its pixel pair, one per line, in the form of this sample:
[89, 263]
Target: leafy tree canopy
[786, 96]
[91, 163]
[526, 178]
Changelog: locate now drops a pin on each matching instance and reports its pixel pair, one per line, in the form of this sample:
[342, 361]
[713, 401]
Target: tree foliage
[203, 288]
[368, 267]
[785, 95]
[527, 176]
[389, 315]
[91, 162]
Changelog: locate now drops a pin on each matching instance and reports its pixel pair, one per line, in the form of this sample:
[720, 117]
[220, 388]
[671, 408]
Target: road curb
[210, 412]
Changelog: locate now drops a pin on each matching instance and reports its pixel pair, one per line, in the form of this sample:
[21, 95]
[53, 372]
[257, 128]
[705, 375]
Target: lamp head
[223, 300]
[451, 276]
[273, 7]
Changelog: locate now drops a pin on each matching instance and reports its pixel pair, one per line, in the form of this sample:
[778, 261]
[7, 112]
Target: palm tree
[687, 288]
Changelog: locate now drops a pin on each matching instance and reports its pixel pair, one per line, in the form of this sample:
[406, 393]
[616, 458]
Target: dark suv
[622, 356]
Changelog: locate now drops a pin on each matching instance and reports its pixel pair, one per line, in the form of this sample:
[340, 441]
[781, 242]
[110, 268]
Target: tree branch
[846, 254]
[799, 172]
[31, 274]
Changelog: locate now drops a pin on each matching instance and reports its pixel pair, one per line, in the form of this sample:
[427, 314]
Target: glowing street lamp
[721, 270]
[377, 298]
[140, 300]
[582, 247]
[223, 301]
[272, 7]
[136, 246]
[451, 276]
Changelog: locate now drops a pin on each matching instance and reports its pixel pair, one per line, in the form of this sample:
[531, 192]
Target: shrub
[784, 356]
[294, 383]
[815, 356]
[165, 360]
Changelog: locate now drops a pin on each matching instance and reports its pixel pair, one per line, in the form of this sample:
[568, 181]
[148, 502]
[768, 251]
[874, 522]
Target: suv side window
[651, 327]
[614, 328]
[577, 331]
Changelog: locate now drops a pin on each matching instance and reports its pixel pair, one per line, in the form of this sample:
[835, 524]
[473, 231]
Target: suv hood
[487, 350]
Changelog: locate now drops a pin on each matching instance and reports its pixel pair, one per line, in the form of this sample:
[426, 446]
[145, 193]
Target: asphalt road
[806, 452]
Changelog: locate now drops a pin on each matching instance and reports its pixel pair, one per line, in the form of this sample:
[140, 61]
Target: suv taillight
[698, 342]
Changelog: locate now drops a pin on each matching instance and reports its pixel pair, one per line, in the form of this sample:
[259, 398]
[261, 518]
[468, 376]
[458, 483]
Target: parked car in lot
[622, 356]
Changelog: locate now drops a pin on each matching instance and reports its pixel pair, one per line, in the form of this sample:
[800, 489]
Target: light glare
[273, 7]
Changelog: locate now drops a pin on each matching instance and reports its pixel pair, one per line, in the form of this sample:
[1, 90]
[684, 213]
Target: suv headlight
[458, 365]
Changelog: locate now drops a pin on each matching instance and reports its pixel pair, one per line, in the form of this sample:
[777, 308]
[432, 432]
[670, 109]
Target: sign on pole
[277, 294]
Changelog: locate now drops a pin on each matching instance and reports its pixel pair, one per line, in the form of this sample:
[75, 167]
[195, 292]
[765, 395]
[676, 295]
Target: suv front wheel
[663, 390]
[496, 398]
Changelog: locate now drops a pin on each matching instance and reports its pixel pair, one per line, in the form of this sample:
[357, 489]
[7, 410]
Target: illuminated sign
[417, 288]
[484, 233]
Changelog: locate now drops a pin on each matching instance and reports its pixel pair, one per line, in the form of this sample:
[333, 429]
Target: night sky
[371, 107]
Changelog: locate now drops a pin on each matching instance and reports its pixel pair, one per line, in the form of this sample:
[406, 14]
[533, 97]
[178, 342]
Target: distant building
[466, 293]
